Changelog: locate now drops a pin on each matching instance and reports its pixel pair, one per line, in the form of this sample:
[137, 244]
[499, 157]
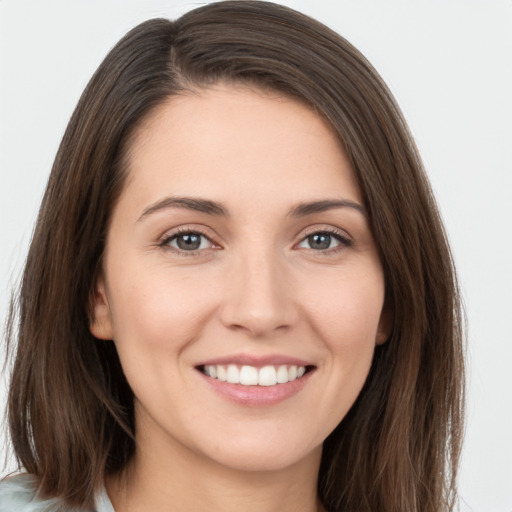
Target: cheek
[158, 310]
[346, 308]
[343, 310]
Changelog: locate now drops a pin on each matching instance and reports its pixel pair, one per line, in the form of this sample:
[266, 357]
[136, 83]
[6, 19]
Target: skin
[255, 286]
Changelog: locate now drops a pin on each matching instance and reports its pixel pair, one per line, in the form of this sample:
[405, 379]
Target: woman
[239, 292]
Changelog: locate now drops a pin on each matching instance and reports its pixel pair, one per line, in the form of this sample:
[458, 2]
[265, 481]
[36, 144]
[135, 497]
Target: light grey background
[449, 63]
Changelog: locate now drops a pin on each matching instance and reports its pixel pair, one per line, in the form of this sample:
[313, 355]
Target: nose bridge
[258, 298]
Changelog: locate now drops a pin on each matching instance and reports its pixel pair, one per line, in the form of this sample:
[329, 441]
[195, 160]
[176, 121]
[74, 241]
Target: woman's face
[240, 249]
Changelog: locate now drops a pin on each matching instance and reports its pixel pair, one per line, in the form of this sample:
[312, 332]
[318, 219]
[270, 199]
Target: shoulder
[19, 494]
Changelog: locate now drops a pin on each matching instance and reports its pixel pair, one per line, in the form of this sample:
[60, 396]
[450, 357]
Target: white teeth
[252, 376]
[282, 375]
[221, 373]
[233, 374]
[248, 376]
[267, 376]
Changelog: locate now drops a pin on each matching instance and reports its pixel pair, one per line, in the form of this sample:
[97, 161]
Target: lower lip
[257, 396]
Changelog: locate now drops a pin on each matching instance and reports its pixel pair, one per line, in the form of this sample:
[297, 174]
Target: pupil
[320, 241]
[189, 242]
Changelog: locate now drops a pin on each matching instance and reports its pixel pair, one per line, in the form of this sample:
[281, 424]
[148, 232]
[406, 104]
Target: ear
[385, 326]
[101, 320]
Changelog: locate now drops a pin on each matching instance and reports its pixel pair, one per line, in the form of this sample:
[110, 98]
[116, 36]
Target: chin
[265, 455]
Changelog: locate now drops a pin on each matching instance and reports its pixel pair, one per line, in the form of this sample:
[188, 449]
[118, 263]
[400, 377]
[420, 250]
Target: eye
[187, 241]
[324, 241]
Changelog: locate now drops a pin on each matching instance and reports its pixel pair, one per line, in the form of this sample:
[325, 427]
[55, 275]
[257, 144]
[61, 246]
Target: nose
[259, 297]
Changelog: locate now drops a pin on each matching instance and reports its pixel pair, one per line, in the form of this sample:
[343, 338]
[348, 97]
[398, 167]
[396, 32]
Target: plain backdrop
[449, 64]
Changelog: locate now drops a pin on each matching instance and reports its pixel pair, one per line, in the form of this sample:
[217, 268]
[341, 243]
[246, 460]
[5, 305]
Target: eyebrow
[214, 208]
[190, 203]
[304, 209]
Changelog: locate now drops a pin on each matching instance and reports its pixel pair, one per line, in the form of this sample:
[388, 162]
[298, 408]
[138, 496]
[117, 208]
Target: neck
[187, 481]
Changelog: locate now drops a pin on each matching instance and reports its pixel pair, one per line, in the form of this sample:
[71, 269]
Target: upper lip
[257, 361]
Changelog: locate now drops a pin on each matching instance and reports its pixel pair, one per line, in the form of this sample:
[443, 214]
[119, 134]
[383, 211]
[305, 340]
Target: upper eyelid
[181, 230]
[172, 236]
[311, 230]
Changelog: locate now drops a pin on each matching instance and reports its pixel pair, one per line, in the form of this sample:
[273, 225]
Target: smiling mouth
[246, 375]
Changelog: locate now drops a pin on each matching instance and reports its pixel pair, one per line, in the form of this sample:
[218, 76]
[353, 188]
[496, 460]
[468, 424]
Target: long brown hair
[70, 408]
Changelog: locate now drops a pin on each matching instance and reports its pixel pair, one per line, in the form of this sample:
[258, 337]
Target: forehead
[225, 141]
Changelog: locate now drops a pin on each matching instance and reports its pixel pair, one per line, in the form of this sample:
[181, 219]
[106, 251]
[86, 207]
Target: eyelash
[165, 242]
[340, 236]
[343, 240]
